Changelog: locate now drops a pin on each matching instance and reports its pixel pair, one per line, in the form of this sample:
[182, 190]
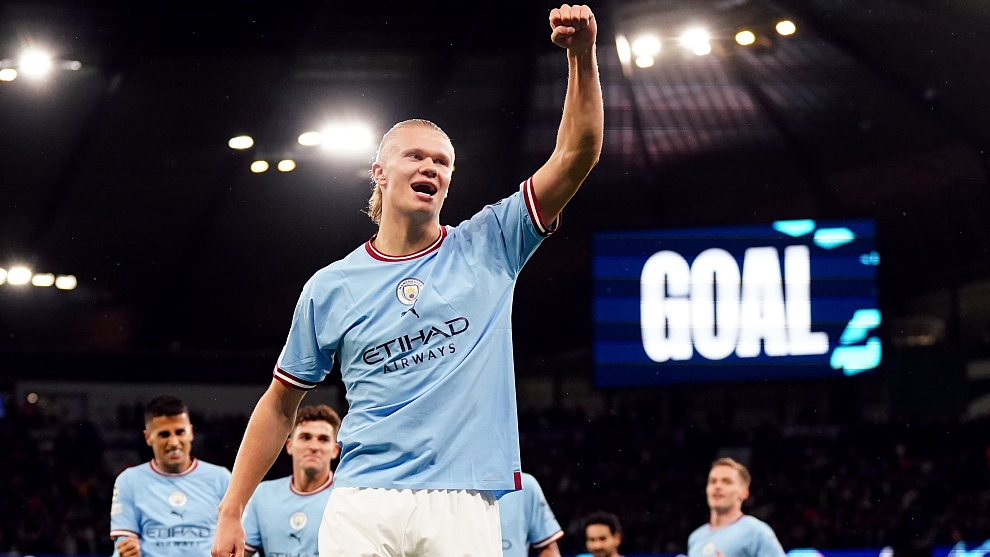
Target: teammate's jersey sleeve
[511, 228]
[542, 528]
[308, 353]
[124, 514]
[252, 527]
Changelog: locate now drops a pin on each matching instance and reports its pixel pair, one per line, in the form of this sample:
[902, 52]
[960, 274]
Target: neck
[718, 519]
[305, 481]
[174, 469]
[402, 236]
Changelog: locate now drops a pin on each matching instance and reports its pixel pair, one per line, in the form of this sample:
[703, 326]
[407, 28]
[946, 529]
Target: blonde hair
[375, 202]
[732, 463]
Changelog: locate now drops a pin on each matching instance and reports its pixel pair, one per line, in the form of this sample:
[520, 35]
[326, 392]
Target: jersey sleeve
[124, 519]
[542, 528]
[511, 228]
[252, 526]
[767, 544]
[305, 360]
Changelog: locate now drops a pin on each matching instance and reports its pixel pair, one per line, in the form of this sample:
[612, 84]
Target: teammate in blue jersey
[283, 516]
[729, 532]
[527, 522]
[167, 507]
[602, 534]
[419, 319]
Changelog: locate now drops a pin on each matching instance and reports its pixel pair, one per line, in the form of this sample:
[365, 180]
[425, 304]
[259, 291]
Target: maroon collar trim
[159, 471]
[373, 252]
[323, 487]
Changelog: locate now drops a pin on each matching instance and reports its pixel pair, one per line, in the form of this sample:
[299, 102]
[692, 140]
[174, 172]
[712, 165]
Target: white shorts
[369, 522]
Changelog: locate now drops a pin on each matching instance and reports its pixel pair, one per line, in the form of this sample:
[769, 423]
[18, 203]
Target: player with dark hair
[602, 534]
[283, 516]
[419, 319]
[167, 508]
[527, 522]
[729, 532]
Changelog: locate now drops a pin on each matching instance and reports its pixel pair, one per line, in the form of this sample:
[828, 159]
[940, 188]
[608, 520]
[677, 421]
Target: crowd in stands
[909, 486]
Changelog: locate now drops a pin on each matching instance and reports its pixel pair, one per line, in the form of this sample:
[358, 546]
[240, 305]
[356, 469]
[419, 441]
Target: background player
[729, 532]
[602, 534]
[430, 438]
[527, 522]
[167, 507]
[283, 516]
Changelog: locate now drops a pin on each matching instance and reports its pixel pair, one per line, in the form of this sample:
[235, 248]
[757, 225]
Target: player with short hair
[283, 516]
[602, 534]
[167, 507]
[419, 319]
[527, 521]
[729, 532]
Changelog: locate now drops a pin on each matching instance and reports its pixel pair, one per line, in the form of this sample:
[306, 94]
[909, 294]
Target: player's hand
[129, 547]
[228, 541]
[574, 27]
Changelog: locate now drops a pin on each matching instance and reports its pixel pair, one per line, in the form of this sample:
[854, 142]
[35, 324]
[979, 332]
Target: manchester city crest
[298, 520]
[408, 291]
[177, 499]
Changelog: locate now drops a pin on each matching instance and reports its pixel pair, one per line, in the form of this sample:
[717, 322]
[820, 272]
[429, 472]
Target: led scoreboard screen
[791, 299]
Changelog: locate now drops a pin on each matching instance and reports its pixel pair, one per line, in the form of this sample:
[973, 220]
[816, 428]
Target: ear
[378, 173]
[618, 538]
[288, 445]
[192, 432]
[744, 494]
[147, 437]
[336, 450]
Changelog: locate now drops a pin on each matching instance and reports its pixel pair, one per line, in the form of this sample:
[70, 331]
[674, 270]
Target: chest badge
[408, 292]
[298, 520]
[177, 499]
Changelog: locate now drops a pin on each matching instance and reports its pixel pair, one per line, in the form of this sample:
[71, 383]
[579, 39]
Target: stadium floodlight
[645, 61]
[19, 275]
[745, 38]
[241, 142]
[72, 65]
[43, 280]
[786, 28]
[287, 165]
[349, 138]
[8, 74]
[646, 45]
[35, 63]
[310, 139]
[66, 282]
[32, 398]
[623, 49]
[696, 40]
[259, 166]
[3, 275]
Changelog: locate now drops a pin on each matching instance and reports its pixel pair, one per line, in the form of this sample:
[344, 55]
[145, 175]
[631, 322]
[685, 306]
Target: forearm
[582, 125]
[267, 430]
[550, 551]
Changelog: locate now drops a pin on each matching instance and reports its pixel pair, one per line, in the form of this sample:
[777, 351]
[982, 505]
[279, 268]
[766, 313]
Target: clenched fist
[574, 28]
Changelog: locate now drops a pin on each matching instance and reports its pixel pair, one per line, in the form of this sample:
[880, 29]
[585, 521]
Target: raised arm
[269, 427]
[579, 138]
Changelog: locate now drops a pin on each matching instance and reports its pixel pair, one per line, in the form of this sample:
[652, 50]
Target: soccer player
[283, 516]
[729, 532]
[602, 534]
[167, 507]
[419, 318]
[527, 522]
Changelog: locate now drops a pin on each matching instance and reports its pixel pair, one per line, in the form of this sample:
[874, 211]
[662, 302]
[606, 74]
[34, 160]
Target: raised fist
[574, 27]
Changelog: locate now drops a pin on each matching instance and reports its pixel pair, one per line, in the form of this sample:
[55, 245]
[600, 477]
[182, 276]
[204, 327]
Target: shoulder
[269, 487]
[699, 531]
[529, 483]
[753, 523]
[212, 470]
[129, 475]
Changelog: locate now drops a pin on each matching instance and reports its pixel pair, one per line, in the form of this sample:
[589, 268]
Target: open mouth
[425, 188]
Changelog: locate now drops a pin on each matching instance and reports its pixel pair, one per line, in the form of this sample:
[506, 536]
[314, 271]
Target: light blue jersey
[425, 349]
[746, 537]
[285, 522]
[527, 520]
[174, 515]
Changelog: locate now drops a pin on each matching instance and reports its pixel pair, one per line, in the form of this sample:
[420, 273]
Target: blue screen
[789, 299]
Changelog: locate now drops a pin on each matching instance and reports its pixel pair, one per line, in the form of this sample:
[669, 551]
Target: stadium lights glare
[786, 28]
[66, 282]
[645, 61]
[241, 142]
[287, 165]
[43, 280]
[623, 49]
[72, 65]
[646, 46]
[19, 275]
[310, 139]
[346, 137]
[259, 166]
[3, 275]
[32, 398]
[745, 38]
[696, 40]
[35, 63]
[8, 74]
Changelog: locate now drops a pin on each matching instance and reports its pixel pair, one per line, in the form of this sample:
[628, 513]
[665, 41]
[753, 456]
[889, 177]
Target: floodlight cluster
[20, 275]
[644, 49]
[336, 139]
[34, 63]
